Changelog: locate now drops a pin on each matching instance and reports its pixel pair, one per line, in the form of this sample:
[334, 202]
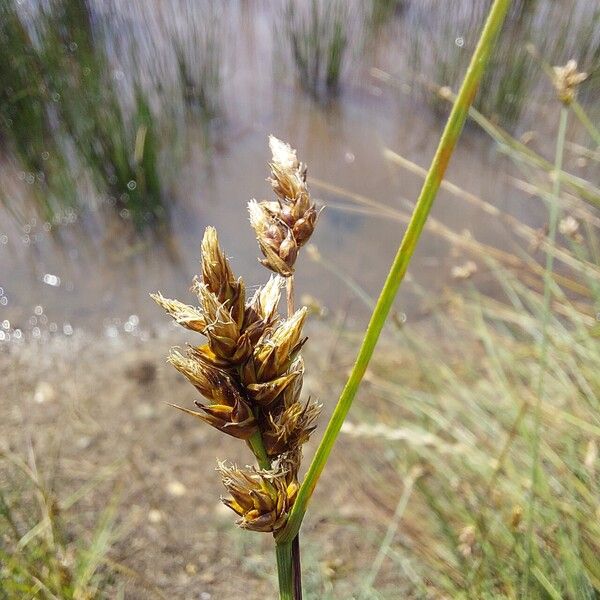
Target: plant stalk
[296, 565]
[258, 448]
[400, 264]
[553, 218]
[283, 553]
[586, 121]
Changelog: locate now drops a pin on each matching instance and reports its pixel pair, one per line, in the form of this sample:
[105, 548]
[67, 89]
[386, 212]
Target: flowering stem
[295, 563]
[284, 571]
[289, 295]
[258, 447]
[546, 309]
[398, 269]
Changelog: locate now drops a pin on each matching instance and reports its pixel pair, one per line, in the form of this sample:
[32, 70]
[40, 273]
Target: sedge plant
[251, 371]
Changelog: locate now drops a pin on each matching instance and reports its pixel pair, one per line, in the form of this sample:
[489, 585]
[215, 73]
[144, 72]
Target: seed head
[285, 225]
[261, 498]
[567, 80]
[276, 350]
[292, 428]
[288, 176]
[224, 334]
[228, 411]
[249, 370]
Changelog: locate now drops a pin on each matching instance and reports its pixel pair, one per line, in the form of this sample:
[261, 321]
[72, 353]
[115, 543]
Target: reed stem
[283, 553]
[548, 282]
[296, 562]
[400, 264]
[586, 121]
[294, 565]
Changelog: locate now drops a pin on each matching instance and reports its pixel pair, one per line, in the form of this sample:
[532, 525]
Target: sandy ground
[94, 409]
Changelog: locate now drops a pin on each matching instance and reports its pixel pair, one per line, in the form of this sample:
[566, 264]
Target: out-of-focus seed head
[566, 81]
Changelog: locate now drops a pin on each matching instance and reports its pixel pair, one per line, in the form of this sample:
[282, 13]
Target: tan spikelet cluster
[284, 225]
[249, 369]
[567, 80]
[262, 498]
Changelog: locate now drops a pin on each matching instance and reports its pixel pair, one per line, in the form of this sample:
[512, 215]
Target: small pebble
[176, 488]
[44, 392]
[155, 516]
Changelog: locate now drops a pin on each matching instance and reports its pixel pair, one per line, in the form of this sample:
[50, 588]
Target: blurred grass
[119, 151]
[439, 50]
[43, 554]
[449, 408]
[66, 120]
[199, 60]
[316, 37]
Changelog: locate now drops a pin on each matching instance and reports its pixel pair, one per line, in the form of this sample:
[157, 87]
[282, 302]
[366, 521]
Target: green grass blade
[554, 213]
[400, 264]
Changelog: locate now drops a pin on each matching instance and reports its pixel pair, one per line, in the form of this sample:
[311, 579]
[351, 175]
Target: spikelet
[291, 428]
[183, 314]
[284, 226]
[261, 498]
[567, 80]
[249, 369]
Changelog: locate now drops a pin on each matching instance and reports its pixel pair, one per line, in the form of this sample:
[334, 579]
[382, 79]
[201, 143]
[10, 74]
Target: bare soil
[94, 410]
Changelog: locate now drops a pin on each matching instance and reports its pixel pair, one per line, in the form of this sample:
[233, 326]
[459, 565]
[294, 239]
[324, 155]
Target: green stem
[521, 152]
[398, 269]
[283, 552]
[256, 444]
[585, 121]
[560, 142]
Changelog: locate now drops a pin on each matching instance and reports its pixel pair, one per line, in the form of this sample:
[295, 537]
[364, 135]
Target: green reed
[397, 271]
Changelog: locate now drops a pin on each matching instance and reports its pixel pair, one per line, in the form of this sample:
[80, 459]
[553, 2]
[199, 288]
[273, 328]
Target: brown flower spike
[284, 225]
[249, 370]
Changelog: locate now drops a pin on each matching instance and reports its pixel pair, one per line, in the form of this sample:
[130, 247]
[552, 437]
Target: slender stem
[521, 152]
[296, 568]
[391, 532]
[289, 294]
[258, 447]
[560, 142]
[283, 553]
[586, 121]
[296, 563]
[398, 269]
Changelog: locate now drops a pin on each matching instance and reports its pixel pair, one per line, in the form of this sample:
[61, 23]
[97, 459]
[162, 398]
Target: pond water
[93, 272]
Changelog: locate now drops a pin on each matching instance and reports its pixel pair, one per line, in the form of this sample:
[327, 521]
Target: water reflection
[88, 267]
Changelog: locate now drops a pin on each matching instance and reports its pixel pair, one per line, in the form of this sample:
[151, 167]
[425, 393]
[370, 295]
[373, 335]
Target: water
[94, 272]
